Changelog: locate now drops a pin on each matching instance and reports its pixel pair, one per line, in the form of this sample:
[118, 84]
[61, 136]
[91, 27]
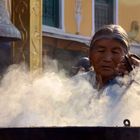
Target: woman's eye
[115, 52]
[100, 50]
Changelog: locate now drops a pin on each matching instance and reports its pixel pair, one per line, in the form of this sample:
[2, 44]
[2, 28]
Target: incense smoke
[53, 99]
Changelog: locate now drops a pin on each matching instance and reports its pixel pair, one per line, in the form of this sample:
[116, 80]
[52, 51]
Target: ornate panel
[27, 16]
[35, 34]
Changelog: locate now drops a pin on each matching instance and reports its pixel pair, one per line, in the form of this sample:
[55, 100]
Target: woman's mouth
[106, 68]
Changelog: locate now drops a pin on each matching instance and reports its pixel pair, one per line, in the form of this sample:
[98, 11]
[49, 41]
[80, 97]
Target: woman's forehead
[108, 43]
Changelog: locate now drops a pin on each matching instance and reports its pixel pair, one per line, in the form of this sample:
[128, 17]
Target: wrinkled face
[105, 56]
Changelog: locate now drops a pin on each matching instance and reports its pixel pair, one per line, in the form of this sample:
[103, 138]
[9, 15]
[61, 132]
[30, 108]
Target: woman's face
[105, 56]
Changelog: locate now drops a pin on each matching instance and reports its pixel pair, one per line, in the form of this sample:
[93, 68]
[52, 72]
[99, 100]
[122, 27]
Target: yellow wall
[86, 22]
[129, 11]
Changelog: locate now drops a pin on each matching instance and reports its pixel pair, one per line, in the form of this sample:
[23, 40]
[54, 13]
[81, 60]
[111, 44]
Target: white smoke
[53, 99]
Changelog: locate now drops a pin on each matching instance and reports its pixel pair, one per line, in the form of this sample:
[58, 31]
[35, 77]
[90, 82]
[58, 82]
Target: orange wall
[86, 22]
[129, 10]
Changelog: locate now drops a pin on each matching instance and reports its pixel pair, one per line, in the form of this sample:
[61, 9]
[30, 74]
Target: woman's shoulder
[89, 76]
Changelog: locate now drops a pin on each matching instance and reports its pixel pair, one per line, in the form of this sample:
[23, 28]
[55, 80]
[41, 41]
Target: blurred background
[62, 29]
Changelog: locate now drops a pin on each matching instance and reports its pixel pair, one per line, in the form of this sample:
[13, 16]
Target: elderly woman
[111, 60]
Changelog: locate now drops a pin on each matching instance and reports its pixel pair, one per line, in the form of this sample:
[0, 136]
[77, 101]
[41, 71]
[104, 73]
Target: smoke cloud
[53, 99]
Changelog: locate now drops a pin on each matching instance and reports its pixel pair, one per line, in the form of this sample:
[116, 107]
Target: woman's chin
[107, 74]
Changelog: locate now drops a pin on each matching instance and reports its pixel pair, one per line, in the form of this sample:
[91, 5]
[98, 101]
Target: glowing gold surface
[27, 16]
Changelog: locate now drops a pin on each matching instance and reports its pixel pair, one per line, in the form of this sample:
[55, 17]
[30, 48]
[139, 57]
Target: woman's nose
[107, 57]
